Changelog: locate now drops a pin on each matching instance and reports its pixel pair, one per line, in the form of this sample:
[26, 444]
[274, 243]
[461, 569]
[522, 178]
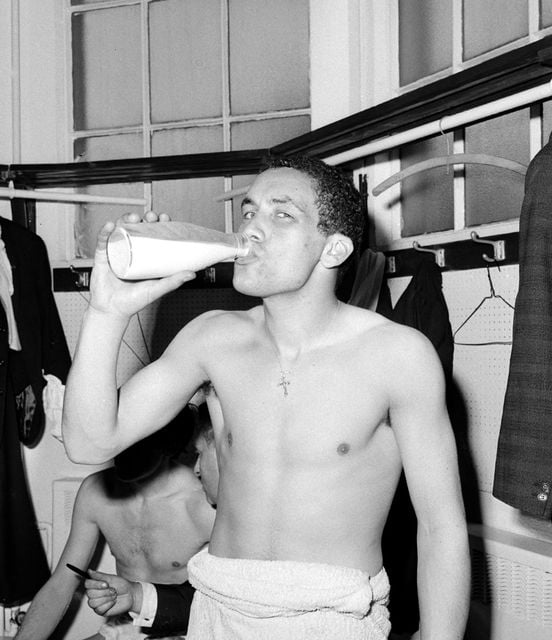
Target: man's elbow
[84, 457]
[81, 450]
[79, 455]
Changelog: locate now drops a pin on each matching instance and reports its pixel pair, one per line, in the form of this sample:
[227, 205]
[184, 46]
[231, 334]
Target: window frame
[386, 216]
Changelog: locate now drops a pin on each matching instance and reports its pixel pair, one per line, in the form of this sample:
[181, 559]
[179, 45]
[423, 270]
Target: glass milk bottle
[144, 250]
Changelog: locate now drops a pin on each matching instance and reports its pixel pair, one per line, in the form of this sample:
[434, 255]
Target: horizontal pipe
[56, 196]
[446, 123]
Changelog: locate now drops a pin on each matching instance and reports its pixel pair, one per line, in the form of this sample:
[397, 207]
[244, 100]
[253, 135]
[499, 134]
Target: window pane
[494, 194]
[425, 38]
[175, 142]
[189, 200]
[107, 83]
[546, 13]
[91, 217]
[185, 59]
[258, 134]
[269, 55]
[427, 197]
[114, 147]
[483, 28]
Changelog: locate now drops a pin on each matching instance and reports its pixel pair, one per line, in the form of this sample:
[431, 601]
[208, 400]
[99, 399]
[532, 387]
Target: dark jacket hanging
[423, 307]
[23, 566]
[523, 471]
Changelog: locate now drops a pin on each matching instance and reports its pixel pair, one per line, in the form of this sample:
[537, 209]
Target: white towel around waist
[264, 589]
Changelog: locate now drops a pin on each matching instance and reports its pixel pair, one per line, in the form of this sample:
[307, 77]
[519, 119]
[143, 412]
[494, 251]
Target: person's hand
[109, 294]
[112, 595]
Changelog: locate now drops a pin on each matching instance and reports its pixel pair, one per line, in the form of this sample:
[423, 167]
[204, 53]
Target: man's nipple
[343, 449]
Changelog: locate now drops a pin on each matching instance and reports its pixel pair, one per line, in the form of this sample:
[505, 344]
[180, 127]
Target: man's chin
[244, 286]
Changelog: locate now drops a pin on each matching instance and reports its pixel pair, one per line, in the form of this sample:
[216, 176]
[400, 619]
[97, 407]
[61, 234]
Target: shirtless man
[323, 403]
[153, 514]
[162, 606]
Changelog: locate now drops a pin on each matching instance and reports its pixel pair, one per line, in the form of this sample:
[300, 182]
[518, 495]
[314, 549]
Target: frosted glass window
[425, 38]
[173, 142]
[426, 197]
[191, 200]
[78, 2]
[269, 55]
[492, 23]
[107, 83]
[91, 217]
[128, 145]
[494, 194]
[185, 54]
[546, 13]
[259, 134]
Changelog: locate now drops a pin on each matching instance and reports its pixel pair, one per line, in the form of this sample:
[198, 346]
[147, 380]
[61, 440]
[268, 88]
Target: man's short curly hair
[338, 201]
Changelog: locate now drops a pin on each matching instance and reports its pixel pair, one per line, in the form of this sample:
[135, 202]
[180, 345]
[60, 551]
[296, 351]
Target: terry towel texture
[285, 600]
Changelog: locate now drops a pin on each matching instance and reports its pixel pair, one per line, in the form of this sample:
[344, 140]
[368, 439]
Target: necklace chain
[285, 374]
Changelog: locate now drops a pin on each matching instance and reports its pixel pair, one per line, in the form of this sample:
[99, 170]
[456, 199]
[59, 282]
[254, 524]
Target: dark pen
[80, 572]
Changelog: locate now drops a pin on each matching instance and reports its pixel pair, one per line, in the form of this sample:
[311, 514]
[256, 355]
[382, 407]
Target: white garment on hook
[52, 400]
[6, 292]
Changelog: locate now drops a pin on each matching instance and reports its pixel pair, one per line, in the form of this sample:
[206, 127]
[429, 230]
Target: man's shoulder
[394, 339]
[215, 325]
[93, 491]
[368, 322]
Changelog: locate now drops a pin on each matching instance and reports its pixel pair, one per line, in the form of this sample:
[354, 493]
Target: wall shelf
[78, 278]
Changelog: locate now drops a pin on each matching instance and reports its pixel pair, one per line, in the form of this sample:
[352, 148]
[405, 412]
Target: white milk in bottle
[144, 250]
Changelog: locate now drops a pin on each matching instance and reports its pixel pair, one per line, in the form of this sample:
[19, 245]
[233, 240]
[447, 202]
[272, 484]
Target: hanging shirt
[6, 292]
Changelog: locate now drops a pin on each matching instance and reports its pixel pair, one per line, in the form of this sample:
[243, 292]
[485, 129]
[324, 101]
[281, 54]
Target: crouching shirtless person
[323, 404]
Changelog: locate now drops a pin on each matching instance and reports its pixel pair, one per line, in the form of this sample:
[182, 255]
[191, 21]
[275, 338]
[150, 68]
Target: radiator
[511, 586]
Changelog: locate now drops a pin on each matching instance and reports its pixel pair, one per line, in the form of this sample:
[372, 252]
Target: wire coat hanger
[445, 161]
[492, 296]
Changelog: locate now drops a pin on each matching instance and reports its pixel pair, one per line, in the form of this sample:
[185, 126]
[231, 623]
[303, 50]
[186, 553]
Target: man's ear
[336, 250]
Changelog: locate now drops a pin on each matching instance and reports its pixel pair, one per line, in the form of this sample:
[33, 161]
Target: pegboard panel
[150, 331]
[481, 371]
[181, 306]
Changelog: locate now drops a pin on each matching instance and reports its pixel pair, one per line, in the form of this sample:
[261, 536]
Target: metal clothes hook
[438, 253]
[498, 248]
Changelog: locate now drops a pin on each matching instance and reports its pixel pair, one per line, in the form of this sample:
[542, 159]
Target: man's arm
[93, 431]
[51, 602]
[426, 442]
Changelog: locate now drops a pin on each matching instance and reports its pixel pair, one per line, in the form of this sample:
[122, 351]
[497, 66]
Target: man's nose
[197, 468]
[255, 229]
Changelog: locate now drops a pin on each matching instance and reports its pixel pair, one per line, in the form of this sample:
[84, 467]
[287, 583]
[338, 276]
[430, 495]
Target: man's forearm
[90, 403]
[44, 614]
[443, 584]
